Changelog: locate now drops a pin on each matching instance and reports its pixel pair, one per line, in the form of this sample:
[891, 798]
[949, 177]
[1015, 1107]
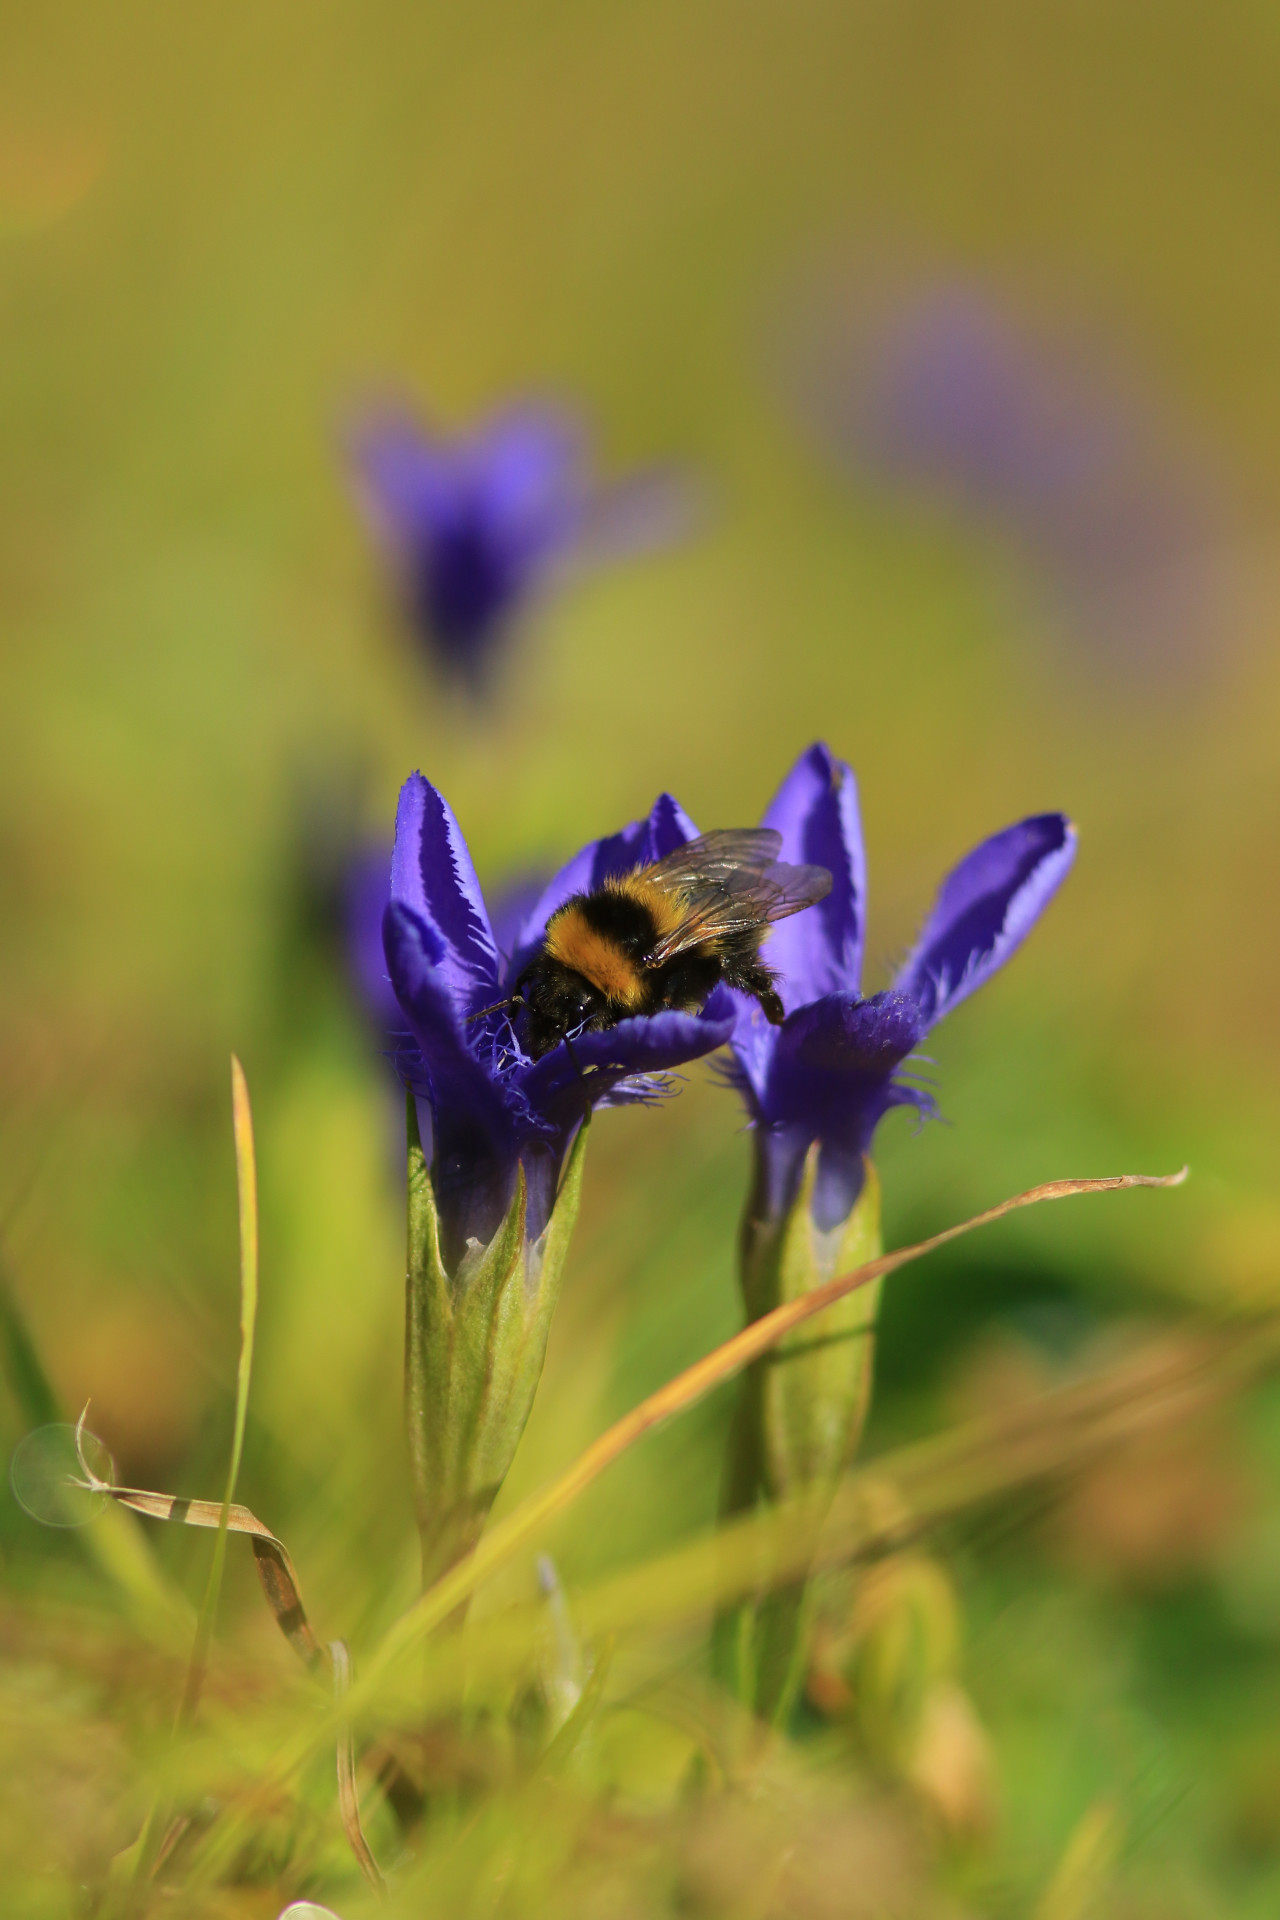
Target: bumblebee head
[559, 1001]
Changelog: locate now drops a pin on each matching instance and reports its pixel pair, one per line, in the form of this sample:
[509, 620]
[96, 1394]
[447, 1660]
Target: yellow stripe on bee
[601, 961]
[665, 907]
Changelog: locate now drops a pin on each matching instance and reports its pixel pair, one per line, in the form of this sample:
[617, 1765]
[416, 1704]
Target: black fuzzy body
[620, 923]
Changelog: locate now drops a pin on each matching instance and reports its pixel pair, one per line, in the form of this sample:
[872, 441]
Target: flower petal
[667, 827]
[834, 1060]
[985, 908]
[832, 1080]
[843, 1034]
[528, 468]
[587, 1071]
[476, 1135]
[432, 875]
[755, 1042]
[819, 951]
[417, 957]
[405, 480]
[472, 526]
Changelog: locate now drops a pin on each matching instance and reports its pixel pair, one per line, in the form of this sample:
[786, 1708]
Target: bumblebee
[663, 936]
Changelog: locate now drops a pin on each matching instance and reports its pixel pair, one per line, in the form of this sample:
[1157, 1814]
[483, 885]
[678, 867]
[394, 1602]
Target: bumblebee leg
[753, 977]
[774, 1011]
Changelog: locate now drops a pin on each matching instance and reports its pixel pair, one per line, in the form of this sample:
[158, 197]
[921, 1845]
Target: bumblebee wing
[712, 856]
[731, 882]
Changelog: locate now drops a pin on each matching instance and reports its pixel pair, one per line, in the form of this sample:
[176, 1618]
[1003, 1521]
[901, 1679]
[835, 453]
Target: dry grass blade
[275, 1569]
[348, 1792]
[519, 1528]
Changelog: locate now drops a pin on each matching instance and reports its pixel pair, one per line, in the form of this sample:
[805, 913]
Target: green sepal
[811, 1393]
[799, 1420]
[475, 1340]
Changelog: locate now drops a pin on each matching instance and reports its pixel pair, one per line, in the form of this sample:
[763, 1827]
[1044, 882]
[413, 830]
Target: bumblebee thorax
[604, 937]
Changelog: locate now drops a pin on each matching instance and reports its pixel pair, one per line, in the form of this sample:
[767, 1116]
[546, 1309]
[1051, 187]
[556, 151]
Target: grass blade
[247, 1183]
[23, 1367]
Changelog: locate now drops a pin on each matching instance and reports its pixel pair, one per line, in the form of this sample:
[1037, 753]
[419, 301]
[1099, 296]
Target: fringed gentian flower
[476, 527]
[831, 1072]
[817, 1087]
[494, 1186]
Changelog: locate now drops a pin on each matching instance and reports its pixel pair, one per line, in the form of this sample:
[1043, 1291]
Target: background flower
[945, 391]
[476, 526]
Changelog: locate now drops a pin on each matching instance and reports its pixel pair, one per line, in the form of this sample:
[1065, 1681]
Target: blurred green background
[219, 225]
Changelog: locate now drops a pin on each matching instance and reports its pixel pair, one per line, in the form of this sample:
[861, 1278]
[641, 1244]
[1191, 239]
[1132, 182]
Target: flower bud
[800, 1414]
[808, 1398]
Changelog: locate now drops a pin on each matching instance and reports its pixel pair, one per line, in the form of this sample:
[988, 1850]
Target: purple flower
[491, 1106]
[1034, 434]
[475, 527]
[833, 1070]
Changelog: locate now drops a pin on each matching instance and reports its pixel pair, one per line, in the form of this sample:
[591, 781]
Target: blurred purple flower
[476, 526]
[492, 1107]
[956, 395]
[832, 1071]
[950, 395]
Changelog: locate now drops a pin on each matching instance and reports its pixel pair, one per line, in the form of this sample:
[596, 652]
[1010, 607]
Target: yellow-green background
[217, 225]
